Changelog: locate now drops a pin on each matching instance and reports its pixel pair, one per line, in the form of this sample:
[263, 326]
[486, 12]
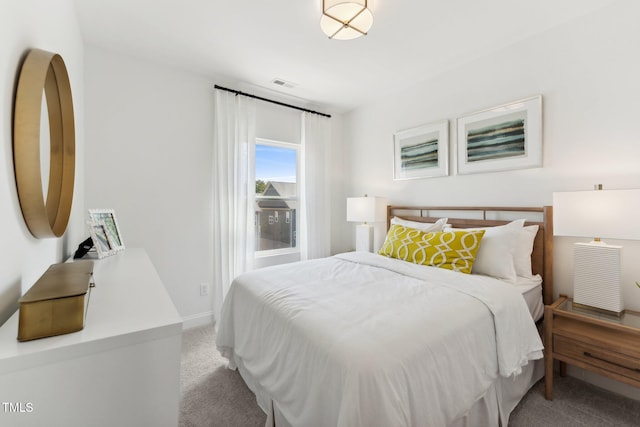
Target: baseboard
[199, 319]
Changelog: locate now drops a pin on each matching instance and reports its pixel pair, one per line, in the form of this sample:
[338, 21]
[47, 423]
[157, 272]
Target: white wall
[589, 82]
[587, 72]
[52, 26]
[148, 156]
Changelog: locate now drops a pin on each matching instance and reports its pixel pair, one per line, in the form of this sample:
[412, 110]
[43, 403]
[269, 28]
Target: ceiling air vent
[283, 83]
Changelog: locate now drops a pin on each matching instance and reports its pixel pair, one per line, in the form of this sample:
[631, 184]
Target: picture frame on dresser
[108, 218]
[505, 137]
[100, 237]
[421, 152]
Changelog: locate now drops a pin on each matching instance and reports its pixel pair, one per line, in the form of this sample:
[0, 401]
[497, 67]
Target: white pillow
[524, 247]
[422, 226]
[497, 249]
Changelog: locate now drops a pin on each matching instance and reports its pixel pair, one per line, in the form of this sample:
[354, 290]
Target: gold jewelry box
[57, 303]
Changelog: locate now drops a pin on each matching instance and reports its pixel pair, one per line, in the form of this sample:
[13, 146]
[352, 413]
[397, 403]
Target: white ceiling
[255, 41]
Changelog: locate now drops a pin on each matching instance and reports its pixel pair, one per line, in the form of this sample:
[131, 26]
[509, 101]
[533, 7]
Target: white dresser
[122, 369]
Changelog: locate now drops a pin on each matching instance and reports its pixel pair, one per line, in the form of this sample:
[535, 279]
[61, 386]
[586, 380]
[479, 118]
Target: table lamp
[366, 210]
[597, 269]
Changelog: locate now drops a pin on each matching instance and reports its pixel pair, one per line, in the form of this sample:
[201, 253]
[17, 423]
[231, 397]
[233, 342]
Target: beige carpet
[212, 395]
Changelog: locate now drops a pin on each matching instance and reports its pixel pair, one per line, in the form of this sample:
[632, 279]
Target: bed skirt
[492, 409]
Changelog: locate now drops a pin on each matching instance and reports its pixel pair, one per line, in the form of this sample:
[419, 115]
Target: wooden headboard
[476, 216]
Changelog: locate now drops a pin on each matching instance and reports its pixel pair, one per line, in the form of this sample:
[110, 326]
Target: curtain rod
[237, 92]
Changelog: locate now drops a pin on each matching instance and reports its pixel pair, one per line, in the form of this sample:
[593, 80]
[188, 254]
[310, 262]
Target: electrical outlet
[204, 289]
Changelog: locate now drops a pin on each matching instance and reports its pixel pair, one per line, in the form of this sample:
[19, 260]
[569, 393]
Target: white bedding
[531, 290]
[362, 340]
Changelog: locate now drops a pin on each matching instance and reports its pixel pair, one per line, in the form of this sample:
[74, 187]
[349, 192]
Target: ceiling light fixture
[346, 20]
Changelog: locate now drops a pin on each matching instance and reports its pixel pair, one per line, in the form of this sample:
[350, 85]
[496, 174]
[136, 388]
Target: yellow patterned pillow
[453, 250]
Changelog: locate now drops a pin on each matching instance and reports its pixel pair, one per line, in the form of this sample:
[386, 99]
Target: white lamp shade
[366, 209]
[598, 213]
[346, 19]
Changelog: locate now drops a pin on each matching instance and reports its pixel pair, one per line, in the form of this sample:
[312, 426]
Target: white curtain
[314, 207]
[233, 190]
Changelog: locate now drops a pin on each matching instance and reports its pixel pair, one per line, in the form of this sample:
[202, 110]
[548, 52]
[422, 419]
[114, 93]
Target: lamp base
[597, 277]
[598, 310]
[364, 238]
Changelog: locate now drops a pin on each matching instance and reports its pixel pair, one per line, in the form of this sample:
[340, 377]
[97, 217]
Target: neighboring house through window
[277, 182]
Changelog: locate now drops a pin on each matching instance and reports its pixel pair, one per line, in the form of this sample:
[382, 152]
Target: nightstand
[601, 343]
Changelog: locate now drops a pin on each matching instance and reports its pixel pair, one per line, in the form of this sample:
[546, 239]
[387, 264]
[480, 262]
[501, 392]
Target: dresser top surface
[128, 304]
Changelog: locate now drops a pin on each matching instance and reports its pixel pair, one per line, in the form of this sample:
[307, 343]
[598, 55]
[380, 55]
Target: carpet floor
[214, 396]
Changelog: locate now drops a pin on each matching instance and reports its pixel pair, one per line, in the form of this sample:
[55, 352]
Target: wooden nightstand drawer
[603, 344]
[597, 356]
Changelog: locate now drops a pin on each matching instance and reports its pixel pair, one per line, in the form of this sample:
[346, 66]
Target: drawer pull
[587, 354]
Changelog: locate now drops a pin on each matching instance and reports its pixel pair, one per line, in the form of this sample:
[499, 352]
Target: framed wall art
[421, 152]
[100, 238]
[108, 217]
[505, 137]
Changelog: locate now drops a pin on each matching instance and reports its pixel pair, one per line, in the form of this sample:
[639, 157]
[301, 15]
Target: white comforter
[362, 340]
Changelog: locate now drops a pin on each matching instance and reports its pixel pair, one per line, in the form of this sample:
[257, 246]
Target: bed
[362, 339]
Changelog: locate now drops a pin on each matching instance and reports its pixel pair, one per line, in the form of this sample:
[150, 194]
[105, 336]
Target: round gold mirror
[44, 73]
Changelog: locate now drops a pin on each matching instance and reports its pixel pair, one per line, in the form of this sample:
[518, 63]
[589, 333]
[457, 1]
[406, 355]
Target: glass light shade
[598, 213]
[366, 209]
[346, 20]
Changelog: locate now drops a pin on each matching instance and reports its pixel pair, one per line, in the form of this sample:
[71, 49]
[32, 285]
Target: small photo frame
[501, 138]
[100, 238]
[421, 152]
[108, 218]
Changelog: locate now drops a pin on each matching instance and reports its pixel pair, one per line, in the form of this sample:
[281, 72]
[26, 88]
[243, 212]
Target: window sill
[276, 252]
[275, 257]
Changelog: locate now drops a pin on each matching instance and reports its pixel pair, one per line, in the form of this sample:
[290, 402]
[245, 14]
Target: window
[276, 196]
